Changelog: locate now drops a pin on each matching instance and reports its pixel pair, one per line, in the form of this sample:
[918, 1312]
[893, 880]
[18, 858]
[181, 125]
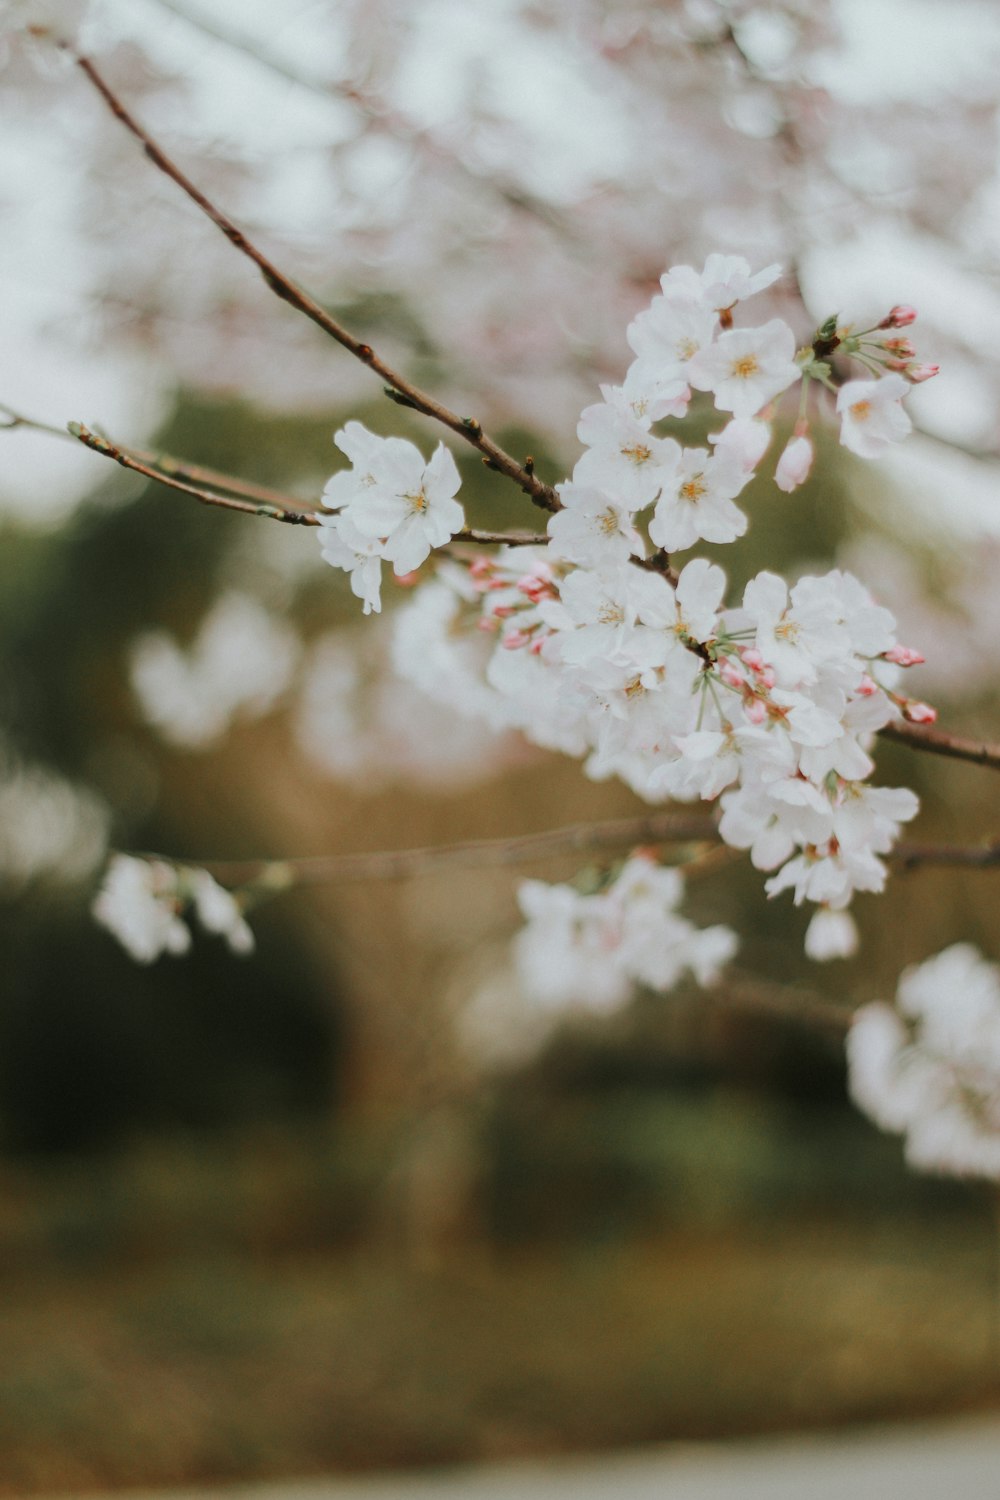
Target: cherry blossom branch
[296, 512]
[203, 476]
[231, 493]
[940, 742]
[410, 395]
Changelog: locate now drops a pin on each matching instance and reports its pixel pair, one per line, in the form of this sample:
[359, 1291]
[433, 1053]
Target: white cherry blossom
[593, 529]
[344, 546]
[724, 281]
[928, 1067]
[138, 904]
[872, 418]
[393, 495]
[622, 456]
[697, 502]
[745, 368]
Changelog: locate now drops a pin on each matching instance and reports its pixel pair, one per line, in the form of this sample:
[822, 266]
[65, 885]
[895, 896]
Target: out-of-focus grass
[230, 1312]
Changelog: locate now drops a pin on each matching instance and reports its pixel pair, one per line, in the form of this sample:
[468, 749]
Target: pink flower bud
[755, 710]
[900, 348]
[794, 464]
[753, 658]
[899, 316]
[536, 646]
[481, 567]
[408, 580]
[917, 373]
[535, 587]
[767, 677]
[503, 611]
[731, 675]
[515, 639]
[867, 687]
[488, 623]
[918, 713]
[903, 656]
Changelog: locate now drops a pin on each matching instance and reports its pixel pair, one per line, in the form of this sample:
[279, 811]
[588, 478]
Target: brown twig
[972, 857]
[940, 742]
[467, 428]
[251, 499]
[203, 476]
[296, 512]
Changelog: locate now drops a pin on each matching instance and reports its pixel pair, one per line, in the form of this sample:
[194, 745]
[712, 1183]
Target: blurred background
[299, 1213]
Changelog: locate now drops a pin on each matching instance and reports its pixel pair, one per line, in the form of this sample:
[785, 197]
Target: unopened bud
[899, 316]
[515, 639]
[794, 464]
[918, 713]
[903, 656]
[917, 373]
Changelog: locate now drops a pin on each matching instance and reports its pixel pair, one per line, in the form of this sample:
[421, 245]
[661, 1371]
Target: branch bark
[940, 742]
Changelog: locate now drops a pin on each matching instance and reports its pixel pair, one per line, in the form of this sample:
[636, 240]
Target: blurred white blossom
[928, 1066]
[239, 665]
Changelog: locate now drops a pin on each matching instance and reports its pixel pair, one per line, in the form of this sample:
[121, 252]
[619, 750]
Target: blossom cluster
[143, 903]
[928, 1067]
[590, 951]
[596, 647]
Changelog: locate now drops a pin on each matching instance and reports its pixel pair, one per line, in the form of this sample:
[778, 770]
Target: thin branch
[467, 428]
[17, 419]
[279, 507]
[398, 864]
[575, 838]
[213, 487]
[294, 512]
[789, 1002]
[203, 476]
[972, 857]
[500, 538]
[940, 742]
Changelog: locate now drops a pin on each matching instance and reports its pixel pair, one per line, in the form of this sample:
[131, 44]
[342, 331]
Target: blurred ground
[251, 1340]
[923, 1463]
